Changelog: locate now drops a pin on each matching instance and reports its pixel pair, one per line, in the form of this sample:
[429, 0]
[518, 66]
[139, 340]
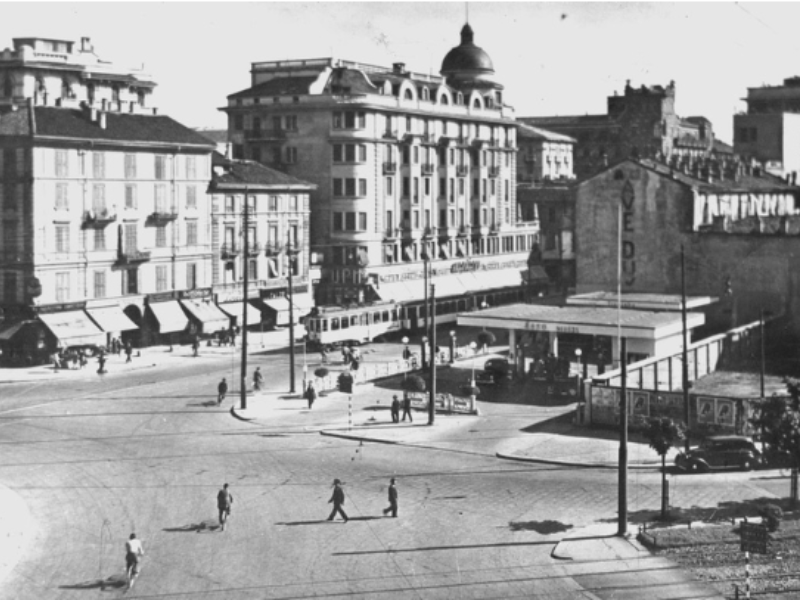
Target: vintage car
[720, 452]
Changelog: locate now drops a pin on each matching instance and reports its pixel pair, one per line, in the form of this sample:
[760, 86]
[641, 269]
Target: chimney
[399, 68]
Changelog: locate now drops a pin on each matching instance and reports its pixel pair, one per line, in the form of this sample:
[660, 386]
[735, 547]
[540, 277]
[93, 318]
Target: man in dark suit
[392, 508]
[338, 501]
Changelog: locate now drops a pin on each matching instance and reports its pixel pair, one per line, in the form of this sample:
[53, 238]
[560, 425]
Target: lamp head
[405, 340]
[578, 352]
[473, 345]
[424, 339]
[452, 334]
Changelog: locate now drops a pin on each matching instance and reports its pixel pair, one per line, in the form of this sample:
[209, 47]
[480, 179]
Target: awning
[303, 303]
[236, 309]
[211, 318]
[73, 327]
[277, 304]
[10, 331]
[491, 280]
[170, 316]
[450, 285]
[111, 319]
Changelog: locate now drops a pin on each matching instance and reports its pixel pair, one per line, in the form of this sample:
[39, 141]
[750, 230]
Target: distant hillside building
[408, 167]
[640, 123]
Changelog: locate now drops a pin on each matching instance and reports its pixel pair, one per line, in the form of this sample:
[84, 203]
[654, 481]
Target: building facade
[103, 201]
[410, 169]
[739, 228]
[272, 208]
[641, 122]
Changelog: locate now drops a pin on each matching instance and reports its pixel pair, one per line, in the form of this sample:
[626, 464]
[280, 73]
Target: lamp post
[452, 347]
[578, 354]
[432, 401]
[406, 355]
[305, 367]
[424, 343]
[474, 348]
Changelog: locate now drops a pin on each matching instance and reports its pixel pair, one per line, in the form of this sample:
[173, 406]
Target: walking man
[338, 501]
[101, 360]
[133, 552]
[311, 394]
[407, 408]
[395, 409]
[196, 346]
[258, 379]
[128, 351]
[222, 389]
[392, 508]
[224, 502]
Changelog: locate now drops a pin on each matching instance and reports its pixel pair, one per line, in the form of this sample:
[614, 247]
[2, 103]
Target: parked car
[720, 452]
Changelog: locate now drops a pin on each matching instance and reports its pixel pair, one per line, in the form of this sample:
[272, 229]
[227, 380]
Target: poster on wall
[705, 410]
[641, 404]
[726, 412]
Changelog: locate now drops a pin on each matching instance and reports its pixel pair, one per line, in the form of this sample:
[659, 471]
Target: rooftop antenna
[466, 10]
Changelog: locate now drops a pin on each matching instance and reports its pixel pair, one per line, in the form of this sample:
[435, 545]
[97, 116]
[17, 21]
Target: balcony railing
[494, 171]
[429, 232]
[389, 168]
[462, 170]
[162, 216]
[464, 230]
[428, 168]
[253, 249]
[229, 251]
[265, 134]
[98, 219]
[126, 256]
[272, 249]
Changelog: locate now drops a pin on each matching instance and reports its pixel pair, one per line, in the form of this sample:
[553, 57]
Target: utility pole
[246, 285]
[289, 253]
[685, 356]
[432, 402]
[427, 308]
[622, 527]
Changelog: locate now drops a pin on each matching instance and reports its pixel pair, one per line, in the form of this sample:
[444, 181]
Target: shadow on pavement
[205, 404]
[429, 548]
[209, 525]
[542, 527]
[293, 523]
[109, 583]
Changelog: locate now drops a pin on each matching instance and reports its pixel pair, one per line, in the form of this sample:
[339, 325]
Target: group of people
[406, 404]
[337, 499]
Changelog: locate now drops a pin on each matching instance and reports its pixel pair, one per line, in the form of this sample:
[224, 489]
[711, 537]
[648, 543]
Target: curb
[566, 463]
[356, 438]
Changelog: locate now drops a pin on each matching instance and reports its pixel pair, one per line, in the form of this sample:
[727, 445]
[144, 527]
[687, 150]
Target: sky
[556, 58]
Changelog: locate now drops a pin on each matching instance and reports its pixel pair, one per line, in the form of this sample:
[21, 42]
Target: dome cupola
[467, 64]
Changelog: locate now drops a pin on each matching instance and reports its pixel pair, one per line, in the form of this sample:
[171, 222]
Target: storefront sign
[198, 294]
[740, 206]
[161, 297]
[54, 308]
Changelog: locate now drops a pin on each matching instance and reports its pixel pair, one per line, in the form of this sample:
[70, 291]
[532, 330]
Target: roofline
[217, 187]
[93, 141]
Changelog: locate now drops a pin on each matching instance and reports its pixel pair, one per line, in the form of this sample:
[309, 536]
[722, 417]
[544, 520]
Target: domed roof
[467, 56]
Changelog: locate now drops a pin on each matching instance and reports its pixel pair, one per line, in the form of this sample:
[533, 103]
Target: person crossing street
[222, 390]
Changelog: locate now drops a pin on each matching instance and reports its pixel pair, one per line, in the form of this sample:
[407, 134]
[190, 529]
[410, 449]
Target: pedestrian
[224, 503]
[56, 360]
[133, 553]
[128, 351]
[392, 508]
[311, 394]
[222, 389]
[338, 501]
[406, 353]
[345, 355]
[407, 408]
[324, 355]
[232, 337]
[82, 358]
[258, 379]
[196, 346]
[101, 360]
[395, 409]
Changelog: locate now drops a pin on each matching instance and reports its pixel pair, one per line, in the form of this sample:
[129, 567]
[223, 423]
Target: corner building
[410, 169]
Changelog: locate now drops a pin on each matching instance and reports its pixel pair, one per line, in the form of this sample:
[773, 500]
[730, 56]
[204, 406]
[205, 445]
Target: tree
[779, 422]
[486, 338]
[662, 434]
[414, 383]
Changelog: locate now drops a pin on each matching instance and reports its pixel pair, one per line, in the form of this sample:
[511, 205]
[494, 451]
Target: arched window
[8, 86]
[476, 104]
[459, 98]
[443, 99]
[408, 95]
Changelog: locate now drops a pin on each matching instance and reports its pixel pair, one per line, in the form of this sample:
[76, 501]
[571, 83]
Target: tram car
[337, 325]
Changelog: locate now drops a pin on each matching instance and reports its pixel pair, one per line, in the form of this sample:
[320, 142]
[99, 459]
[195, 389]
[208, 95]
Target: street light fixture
[452, 347]
[406, 355]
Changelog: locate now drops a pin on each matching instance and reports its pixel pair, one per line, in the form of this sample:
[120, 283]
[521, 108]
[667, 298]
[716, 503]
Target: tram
[335, 325]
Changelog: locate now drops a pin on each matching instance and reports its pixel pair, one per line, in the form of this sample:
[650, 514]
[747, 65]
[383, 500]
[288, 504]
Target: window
[161, 198]
[9, 162]
[238, 122]
[338, 221]
[427, 182]
[389, 188]
[10, 236]
[130, 166]
[99, 284]
[416, 219]
[9, 287]
[350, 221]
[406, 187]
[191, 167]
[191, 196]
[191, 233]
[362, 187]
[230, 204]
[416, 155]
[291, 122]
[416, 190]
[293, 203]
[99, 165]
[389, 220]
[130, 195]
[100, 239]
[130, 281]
[338, 153]
[191, 276]
[129, 240]
[99, 199]
[62, 168]
[161, 167]
[252, 269]
[161, 278]
[62, 287]
[62, 198]
[273, 204]
[62, 238]
[161, 236]
[291, 155]
[349, 120]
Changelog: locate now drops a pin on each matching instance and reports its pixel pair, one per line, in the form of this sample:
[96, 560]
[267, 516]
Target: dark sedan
[720, 452]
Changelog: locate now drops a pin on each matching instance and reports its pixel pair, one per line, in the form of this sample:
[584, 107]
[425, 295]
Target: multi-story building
[410, 168]
[276, 213]
[770, 129]
[640, 123]
[103, 201]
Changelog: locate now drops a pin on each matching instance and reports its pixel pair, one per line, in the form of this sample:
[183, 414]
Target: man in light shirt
[133, 551]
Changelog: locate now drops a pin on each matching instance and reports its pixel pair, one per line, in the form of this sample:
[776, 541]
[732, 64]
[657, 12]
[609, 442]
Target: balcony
[272, 249]
[494, 171]
[265, 134]
[162, 217]
[429, 232]
[98, 219]
[389, 168]
[448, 232]
[127, 257]
[464, 231]
[428, 168]
[228, 251]
[494, 228]
[254, 249]
[392, 233]
[390, 134]
[479, 231]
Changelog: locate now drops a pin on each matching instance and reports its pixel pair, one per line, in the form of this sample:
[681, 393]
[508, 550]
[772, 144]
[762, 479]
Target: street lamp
[423, 344]
[305, 367]
[578, 354]
[484, 304]
[474, 348]
[406, 356]
[452, 347]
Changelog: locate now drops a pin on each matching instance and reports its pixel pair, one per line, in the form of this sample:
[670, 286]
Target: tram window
[462, 305]
[354, 320]
[334, 323]
[376, 317]
[386, 316]
[324, 325]
[311, 326]
[345, 322]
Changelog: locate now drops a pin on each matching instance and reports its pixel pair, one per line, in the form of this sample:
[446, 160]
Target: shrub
[772, 515]
[470, 390]
[486, 338]
[414, 383]
[321, 372]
